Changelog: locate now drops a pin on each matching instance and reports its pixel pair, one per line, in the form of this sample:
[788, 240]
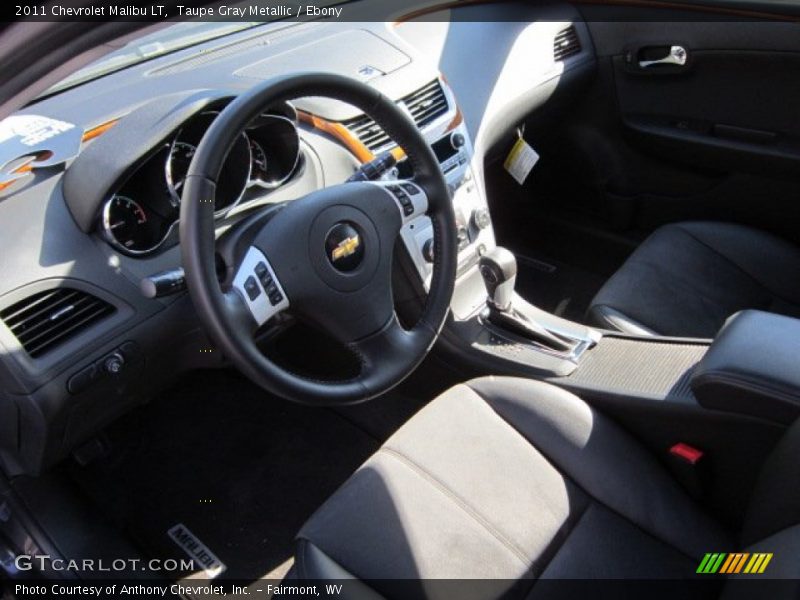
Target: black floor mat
[556, 287]
[242, 470]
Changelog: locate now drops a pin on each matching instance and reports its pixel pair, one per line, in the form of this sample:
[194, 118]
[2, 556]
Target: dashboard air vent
[425, 106]
[566, 44]
[43, 321]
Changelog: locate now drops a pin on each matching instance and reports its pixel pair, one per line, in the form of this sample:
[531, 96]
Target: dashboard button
[129, 351]
[114, 364]
[275, 297]
[481, 219]
[82, 380]
[409, 188]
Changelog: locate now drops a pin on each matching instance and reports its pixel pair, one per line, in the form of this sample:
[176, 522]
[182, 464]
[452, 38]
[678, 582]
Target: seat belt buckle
[689, 468]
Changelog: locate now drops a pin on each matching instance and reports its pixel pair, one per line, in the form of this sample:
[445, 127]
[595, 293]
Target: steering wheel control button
[261, 271]
[410, 197]
[408, 207]
[410, 189]
[398, 191]
[265, 278]
[402, 197]
[252, 288]
[257, 284]
[344, 247]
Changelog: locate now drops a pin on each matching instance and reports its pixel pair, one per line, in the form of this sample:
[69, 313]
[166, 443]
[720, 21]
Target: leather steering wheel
[326, 257]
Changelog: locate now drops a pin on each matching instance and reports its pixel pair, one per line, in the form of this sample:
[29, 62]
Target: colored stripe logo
[734, 563]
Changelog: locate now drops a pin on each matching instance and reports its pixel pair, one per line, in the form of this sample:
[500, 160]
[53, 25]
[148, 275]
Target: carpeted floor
[240, 469]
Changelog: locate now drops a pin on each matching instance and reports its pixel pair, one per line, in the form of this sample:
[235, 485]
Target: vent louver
[425, 106]
[47, 319]
[566, 44]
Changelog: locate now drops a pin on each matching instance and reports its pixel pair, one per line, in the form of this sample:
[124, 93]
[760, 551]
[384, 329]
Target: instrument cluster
[143, 213]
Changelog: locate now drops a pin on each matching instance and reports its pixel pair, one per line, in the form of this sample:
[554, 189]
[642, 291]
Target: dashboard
[80, 343]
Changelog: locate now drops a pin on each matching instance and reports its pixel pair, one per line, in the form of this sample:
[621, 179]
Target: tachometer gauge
[129, 227]
[124, 221]
[180, 157]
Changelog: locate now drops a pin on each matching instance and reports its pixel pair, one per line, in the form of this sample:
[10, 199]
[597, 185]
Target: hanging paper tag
[520, 161]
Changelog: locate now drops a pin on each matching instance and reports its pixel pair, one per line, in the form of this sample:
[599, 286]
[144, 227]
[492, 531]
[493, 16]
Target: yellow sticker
[520, 161]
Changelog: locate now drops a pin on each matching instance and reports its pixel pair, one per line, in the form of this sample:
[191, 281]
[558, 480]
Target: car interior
[281, 291]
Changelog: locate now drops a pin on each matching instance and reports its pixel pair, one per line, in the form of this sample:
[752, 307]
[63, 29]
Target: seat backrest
[775, 503]
[772, 526]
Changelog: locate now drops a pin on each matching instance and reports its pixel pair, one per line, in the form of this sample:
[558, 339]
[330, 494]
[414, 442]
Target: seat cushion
[506, 479]
[686, 279]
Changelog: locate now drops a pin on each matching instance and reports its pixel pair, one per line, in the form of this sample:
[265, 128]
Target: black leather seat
[513, 480]
[686, 279]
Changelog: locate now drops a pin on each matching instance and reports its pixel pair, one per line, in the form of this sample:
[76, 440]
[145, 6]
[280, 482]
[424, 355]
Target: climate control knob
[457, 140]
[481, 218]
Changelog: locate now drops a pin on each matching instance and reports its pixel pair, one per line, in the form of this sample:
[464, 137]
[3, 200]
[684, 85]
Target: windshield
[182, 35]
[171, 39]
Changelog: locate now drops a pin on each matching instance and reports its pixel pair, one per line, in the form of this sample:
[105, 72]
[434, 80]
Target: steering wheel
[326, 257]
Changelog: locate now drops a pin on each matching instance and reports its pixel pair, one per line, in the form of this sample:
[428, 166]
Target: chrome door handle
[677, 56]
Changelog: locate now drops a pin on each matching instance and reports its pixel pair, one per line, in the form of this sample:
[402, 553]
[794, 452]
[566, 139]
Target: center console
[475, 236]
[489, 316]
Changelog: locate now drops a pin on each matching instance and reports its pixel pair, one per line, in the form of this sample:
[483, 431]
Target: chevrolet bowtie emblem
[345, 248]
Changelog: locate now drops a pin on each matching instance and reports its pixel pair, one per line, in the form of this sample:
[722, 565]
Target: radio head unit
[451, 151]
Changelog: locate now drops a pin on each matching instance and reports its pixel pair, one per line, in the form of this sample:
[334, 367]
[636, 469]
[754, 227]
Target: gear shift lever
[498, 268]
[499, 271]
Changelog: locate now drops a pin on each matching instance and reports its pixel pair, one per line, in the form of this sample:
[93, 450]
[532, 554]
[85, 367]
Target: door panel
[718, 138]
[725, 109]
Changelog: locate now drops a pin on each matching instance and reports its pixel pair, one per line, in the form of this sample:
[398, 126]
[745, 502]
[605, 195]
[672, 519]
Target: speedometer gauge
[180, 157]
[259, 168]
[232, 178]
